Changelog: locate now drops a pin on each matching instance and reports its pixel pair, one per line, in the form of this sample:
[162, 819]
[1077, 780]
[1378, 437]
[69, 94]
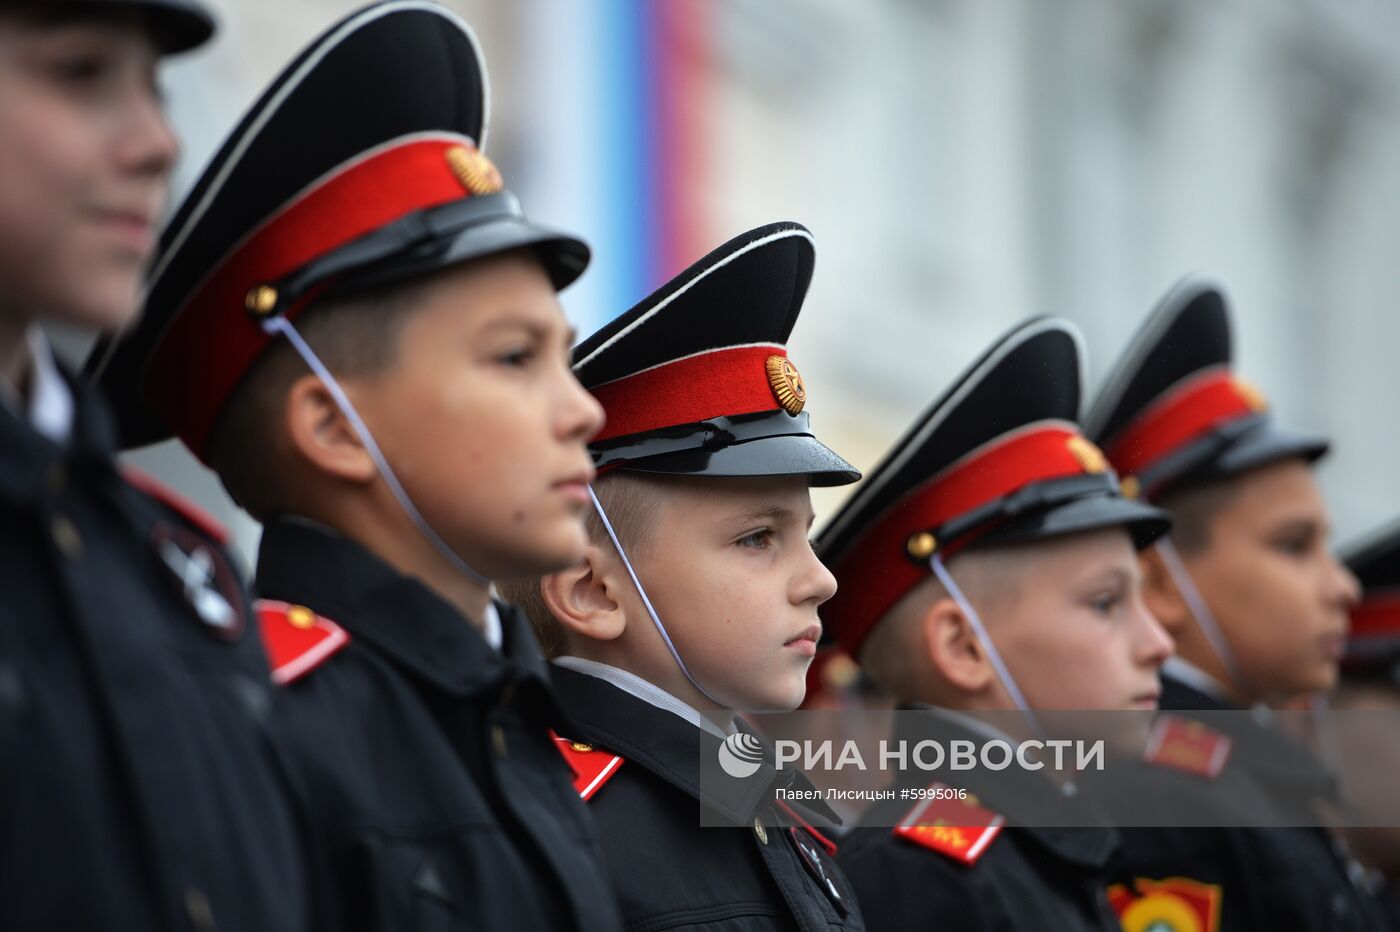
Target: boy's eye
[1293, 546]
[1105, 603]
[517, 357]
[756, 540]
[79, 69]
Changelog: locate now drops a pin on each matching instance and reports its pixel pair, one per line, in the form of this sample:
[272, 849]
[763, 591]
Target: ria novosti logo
[740, 755]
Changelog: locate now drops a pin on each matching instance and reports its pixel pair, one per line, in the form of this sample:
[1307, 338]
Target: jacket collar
[670, 747]
[28, 458]
[306, 563]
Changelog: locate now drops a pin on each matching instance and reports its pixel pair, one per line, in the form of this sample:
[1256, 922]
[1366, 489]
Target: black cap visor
[1232, 449]
[1143, 523]
[174, 25]
[438, 238]
[1056, 507]
[769, 444]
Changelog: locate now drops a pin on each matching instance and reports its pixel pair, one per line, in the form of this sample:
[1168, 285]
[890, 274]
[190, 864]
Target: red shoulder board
[1187, 745]
[200, 519]
[1174, 903]
[592, 766]
[297, 640]
[959, 828]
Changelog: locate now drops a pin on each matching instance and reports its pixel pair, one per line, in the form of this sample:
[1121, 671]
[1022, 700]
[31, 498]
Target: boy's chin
[535, 558]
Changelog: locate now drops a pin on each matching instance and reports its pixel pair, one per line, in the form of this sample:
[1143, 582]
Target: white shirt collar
[1193, 676]
[491, 626]
[50, 404]
[648, 692]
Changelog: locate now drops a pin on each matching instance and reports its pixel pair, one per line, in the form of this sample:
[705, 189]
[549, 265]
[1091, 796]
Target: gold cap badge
[1131, 486]
[474, 170]
[787, 383]
[1089, 457]
[1251, 395]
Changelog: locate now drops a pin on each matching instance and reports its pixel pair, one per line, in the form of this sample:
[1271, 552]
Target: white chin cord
[1003, 672]
[280, 325]
[646, 601]
[1196, 605]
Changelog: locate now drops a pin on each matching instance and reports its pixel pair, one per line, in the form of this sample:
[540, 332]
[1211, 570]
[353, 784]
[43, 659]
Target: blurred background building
[962, 164]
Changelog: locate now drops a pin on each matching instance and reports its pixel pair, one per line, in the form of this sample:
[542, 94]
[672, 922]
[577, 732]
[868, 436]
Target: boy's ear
[584, 600]
[953, 649]
[1160, 594]
[320, 433]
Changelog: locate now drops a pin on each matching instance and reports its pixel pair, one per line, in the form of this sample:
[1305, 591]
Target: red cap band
[719, 383]
[877, 570]
[1189, 411]
[212, 341]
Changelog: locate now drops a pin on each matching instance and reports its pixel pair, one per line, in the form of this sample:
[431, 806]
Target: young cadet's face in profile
[1074, 629]
[85, 155]
[483, 419]
[1272, 583]
[730, 570]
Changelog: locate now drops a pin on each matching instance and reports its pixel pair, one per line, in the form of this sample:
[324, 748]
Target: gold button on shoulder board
[580, 746]
[299, 616]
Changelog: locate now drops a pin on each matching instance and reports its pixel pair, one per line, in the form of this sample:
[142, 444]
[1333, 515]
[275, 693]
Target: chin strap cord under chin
[1003, 672]
[646, 601]
[280, 325]
[1196, 605]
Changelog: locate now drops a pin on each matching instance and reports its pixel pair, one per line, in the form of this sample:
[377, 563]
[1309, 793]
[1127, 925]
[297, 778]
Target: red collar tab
[959, 828]
[891, 557]
[205, 352]
[1192, 409]
[591, 766]
[725, 382]
[297, 640]
[1187, 745]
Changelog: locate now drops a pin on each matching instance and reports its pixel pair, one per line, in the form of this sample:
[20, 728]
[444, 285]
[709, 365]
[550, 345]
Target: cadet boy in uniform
[138, 788]
[1258, 606]
[1367, 700]
[358, 328]
[989, 563]
[698, 595]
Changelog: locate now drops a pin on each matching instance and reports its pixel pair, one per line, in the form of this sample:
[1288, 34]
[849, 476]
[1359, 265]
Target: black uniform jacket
[1296, 877]
[1026, 878]
[669, 871]
[434, 795]
[137, 787]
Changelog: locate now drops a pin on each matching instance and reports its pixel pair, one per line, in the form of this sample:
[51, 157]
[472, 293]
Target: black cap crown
[696, 379]
[998, 458]
[1172, 411]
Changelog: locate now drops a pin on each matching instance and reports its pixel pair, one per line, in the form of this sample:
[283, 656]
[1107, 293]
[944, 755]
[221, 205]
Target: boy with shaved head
[988, 575]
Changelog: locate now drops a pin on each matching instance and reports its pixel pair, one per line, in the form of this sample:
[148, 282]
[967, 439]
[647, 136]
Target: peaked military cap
[1174, 412]
[998, 458]
[176, 25]
[696, 378]
[357, 167]
[1373, 647]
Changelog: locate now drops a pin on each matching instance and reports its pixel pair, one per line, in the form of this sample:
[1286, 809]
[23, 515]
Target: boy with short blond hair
[356, 323]
[988, 575]
[698, 594]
